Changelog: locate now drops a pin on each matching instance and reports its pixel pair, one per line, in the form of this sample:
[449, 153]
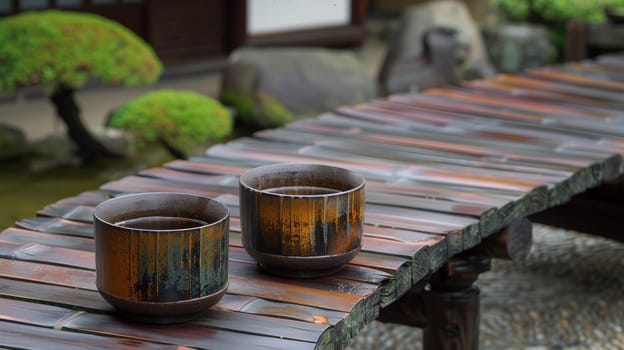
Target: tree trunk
[68, 111]
[172, 150]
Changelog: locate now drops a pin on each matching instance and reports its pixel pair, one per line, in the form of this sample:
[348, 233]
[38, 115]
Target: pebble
[569, 294]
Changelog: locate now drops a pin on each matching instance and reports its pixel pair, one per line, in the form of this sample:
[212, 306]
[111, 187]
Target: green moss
[55, 48]
[271, 111]
[242, 102]
[555, 11]
[259, 110]
[180, 119]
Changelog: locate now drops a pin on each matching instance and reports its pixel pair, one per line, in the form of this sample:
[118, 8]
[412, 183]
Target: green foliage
[512, 10]
[180, 119]
[555, 11]
[259, 110]
[243, 103]
[54, 48]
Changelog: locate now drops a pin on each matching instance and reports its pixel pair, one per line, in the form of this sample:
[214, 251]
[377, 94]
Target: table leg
[452, 304]
[447, 307]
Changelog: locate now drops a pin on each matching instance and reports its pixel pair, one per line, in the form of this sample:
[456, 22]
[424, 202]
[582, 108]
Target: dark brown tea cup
[161, 257]
[301, 220]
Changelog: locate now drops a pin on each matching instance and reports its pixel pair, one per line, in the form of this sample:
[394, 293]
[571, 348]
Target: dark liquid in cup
[302, 190]
[161, 223]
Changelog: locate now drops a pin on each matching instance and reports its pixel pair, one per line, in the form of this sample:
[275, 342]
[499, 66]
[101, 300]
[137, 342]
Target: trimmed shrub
[181, 120]
[54, 48]
[257, 110]
[61, 51]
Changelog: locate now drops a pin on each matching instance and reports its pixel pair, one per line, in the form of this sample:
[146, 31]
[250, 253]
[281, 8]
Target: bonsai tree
[61, 51]
[180, 120]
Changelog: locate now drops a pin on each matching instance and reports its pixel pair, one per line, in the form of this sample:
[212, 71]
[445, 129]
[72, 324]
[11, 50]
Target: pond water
[50, 172]
[28, 185]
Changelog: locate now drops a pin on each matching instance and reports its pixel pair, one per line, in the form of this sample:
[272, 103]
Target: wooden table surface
[444, 169]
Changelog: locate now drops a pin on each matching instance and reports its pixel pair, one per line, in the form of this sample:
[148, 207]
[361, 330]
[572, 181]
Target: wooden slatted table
[444, 170]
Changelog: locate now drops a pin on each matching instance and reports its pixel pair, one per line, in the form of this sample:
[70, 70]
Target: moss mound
[57, 48]
[257, 110]
[182, 120]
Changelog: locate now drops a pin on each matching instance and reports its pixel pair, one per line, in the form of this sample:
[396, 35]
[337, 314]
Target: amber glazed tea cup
[161, 257]
[301, 220]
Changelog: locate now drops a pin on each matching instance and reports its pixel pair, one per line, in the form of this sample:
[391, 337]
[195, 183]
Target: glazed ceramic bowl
[161, 257]
[301, 220]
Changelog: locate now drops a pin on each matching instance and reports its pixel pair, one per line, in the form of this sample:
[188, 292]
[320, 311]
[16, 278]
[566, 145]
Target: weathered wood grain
[81, 213]
[242, 325]
[88, 198]
[239, 273]
[404, 153]
[90, 300]
[491, 222]
[80, 276]
[135, 184]
[49, 254]
[176, 177]
[21, 336]
[48, 274]
[69, 297]
[599, 90]
[186, 334]
[33, 313]
[390, 199]
[415, 251]
[552, 73]
[458, 143]
[268, 326]
[600, 167]
[23, 236]
[57, 225]
[593, 70]
[444, 170]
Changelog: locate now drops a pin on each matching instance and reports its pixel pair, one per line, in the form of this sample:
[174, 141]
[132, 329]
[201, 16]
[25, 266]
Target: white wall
[269, 16]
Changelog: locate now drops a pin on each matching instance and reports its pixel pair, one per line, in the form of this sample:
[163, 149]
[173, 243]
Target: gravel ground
[568, 295]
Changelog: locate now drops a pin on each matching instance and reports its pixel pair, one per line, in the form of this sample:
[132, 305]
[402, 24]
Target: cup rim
[243, 180]
[108, 202]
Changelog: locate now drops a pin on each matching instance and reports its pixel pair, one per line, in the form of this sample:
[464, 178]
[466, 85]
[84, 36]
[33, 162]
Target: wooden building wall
[196, 30]
[187, 30]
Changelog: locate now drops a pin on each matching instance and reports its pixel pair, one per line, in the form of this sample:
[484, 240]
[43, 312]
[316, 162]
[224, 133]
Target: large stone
[516, 47]
[12, 142]
[305, 81]
[116, 140]
[438, 36]
[60, 149]
[440, 66]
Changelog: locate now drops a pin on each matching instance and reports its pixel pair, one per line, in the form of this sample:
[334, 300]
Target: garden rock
[60, 149]
[408, 52]
[118, 141]
[12, 142]
[268, 86]
[516, 47]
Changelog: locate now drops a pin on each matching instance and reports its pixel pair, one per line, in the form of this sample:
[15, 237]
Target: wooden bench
[446, 170]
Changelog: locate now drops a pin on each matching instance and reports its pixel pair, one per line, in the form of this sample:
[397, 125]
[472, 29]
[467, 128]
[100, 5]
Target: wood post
[409, 310]
[511, 243]
[447, 307]
[597, 211]
[452, 304]
[576, 41]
